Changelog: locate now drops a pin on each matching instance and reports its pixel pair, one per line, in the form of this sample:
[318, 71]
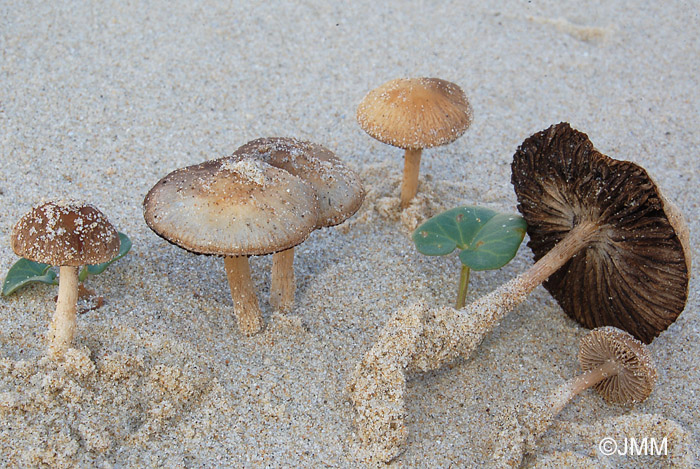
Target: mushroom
[614, 251]
[65, 235]
[616, 364]
[413, 114]
[234, 209]
[337, 188]
[618, 250]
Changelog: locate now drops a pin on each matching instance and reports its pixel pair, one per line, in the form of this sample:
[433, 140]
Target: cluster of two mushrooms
[265, 198]
[608, 246]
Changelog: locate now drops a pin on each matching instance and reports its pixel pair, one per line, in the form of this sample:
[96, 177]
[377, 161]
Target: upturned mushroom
[618, 254]
[413, 114]
[616, 364]
[65, 235]
[234, 209]
[337, 188]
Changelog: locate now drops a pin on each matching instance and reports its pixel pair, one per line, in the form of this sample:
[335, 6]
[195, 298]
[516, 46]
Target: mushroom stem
[282, 284]
[575, 386]
[463, 286]
[469, 325]
[62, 326]
[411, 168]
[245, 300]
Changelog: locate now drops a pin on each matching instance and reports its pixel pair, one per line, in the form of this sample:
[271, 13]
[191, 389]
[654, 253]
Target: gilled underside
[634, 273]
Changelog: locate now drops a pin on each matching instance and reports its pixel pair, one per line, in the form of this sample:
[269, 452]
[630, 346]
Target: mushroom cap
[231, 208]
[636, 374]
[634, 272]
[65, 234]
[338, 188]
[415, 113]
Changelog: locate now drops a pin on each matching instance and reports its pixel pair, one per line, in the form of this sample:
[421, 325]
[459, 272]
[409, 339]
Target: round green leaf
[24, 272]
[487, 239]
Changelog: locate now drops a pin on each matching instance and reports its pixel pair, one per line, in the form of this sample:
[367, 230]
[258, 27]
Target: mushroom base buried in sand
[245, 301]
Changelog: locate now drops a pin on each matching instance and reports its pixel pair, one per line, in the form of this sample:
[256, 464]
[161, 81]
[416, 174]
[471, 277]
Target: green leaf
[99, 268]
[24, 272]
[488, 239]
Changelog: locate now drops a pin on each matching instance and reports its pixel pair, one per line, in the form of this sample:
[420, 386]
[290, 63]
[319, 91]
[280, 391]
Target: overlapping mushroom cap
[636, 374]
[232, 208]
[634, 272]
[65, 234]
[338, 188]
[415, 113]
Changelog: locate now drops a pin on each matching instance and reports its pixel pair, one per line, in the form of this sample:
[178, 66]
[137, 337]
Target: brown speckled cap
[65, 234]
[636, 374]
[634, 274]
[415, 113]
[231, 208]
[338, 188]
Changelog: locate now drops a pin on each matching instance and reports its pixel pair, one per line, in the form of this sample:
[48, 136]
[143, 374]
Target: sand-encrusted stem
[441, 343]
[443, 335]
[245, 301]
[282, 283]
[411, 169]
[62, 327]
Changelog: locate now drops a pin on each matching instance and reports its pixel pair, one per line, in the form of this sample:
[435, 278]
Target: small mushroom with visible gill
[337, 188]
[66, 235]
[413, 114]
[234, 209]
[616, 364]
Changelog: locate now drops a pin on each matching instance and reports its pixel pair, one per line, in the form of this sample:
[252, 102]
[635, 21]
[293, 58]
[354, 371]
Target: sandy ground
[98, 101]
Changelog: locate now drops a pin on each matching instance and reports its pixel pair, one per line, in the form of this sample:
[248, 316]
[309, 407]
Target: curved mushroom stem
[537, 418]
[245, 300]
[411, 168]
[62, 326]
[283, 283]
[445, 334]
[439, 344]
[567, 391]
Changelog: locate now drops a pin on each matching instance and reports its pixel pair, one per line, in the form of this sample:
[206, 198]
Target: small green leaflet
[99, 268]
[24, 271]
[487, 239]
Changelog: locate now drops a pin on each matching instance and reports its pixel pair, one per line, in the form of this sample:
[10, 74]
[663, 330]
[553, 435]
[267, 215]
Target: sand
[100, 101]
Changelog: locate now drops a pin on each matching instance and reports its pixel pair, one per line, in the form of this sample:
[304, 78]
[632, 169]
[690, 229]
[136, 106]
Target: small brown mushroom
[234, 209]
[413, 114]
[616, 364]
[66, 235]
[337, 188]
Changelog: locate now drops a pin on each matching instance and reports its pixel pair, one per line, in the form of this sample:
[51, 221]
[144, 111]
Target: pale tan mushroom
[413, 114]
[337, 188]
[66, 235]
[234, 209]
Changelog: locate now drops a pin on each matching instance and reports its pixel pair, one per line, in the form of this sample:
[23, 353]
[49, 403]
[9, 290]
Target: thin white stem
[62, 327]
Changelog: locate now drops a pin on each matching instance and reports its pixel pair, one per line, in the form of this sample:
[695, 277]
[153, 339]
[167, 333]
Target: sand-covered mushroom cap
[65, 233]
[338, 188]
[636, 374]
[634, 272]
[415, 113]
[231, 208]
